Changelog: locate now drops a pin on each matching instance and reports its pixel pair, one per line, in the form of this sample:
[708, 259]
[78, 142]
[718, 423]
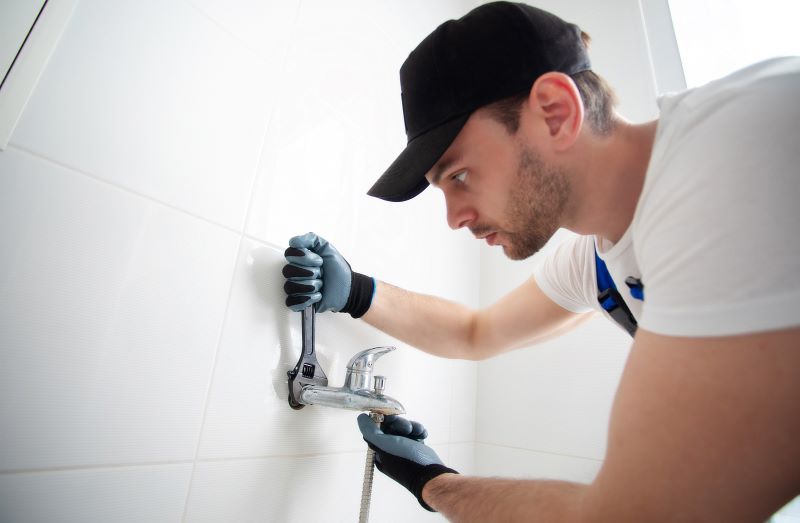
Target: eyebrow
[441, 169]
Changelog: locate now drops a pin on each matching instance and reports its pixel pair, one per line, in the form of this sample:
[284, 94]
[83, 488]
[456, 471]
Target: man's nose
[458, 214]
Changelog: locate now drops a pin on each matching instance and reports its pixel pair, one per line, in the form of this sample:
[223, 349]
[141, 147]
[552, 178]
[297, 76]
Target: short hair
[598, 98]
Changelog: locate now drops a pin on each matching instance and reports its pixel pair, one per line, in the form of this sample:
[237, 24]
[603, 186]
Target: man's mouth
[489, 237]
[482, 232]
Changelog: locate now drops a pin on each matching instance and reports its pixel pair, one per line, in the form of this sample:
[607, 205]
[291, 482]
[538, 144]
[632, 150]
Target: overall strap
[610, 298]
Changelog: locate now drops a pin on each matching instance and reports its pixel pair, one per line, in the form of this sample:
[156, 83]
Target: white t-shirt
[716, 233]
[568, 274]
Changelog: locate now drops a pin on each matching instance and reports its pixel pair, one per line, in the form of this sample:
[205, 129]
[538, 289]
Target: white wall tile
[263, 27]
[155, 97]
[464, 401]
[130, 494]
[296, 489]
[111, 311]
[565, 387]
[461, 457]
[341, 126]
[493, 460]
[330, 132]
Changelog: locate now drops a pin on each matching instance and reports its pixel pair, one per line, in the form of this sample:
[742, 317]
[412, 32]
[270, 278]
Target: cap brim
[405, 178]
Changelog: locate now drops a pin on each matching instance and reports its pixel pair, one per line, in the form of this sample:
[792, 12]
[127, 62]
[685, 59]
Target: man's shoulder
[699, 101]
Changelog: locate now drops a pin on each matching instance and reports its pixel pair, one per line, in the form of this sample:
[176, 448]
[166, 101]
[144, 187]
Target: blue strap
[611, 300]
[604, 282]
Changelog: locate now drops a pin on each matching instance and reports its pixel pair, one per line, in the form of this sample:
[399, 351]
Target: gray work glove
[401, 453]
[317, 273]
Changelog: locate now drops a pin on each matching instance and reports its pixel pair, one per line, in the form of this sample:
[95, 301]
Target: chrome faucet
[308, 384]
[361, 390]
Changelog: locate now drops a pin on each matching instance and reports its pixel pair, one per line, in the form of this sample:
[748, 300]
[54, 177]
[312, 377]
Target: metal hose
[369, 471]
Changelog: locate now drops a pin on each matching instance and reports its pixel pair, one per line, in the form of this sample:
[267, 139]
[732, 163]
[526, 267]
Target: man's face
[535, 206]
[500, 188]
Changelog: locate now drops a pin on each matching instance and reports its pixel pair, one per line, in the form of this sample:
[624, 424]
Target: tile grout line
[237, 257]
[259, 166]
[114, 466]
[222, 28]
[538, 451]
[120, 187]
[81, 468]
[143, 196]
[243, 227]
[265, 137]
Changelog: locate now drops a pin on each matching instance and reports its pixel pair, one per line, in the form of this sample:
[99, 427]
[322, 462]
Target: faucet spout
[343, 398]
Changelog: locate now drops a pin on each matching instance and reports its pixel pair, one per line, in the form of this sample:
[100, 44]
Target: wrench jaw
[308, 371]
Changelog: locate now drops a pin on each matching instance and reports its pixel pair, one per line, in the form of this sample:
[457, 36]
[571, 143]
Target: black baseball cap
[495, 51]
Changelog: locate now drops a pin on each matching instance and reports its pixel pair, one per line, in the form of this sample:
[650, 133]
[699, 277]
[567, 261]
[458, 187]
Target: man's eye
[461, 177]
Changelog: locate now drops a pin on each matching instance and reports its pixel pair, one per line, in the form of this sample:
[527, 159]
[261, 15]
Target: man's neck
[609, 180]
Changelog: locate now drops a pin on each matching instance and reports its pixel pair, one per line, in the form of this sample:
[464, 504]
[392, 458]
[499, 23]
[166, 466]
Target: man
[694, 216]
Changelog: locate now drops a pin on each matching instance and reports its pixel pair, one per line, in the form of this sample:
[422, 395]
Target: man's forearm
[465, 499]
[524, 317]
[432, 324]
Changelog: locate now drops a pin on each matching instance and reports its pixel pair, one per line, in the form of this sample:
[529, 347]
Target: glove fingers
[298, 302]
[308, 241]
[299, 272]
[302, 257]
[400, 426]
[396, 425]
[418, 431]
[302, 286]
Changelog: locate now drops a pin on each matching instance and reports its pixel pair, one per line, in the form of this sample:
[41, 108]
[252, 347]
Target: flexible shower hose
[369, 470]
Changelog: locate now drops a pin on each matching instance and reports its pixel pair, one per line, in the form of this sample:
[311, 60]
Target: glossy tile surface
[263, 28]
[559, 394]
[341, 125]
[111, 310]
[494, 460]
[132, 494]
[157, 98]
[295, 489]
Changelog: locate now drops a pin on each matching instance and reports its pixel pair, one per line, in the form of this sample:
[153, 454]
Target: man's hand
[401, 454]
[317, 273]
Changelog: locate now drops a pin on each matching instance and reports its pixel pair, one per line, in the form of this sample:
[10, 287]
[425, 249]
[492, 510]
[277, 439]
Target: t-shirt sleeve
[561, 274]
[717, 234]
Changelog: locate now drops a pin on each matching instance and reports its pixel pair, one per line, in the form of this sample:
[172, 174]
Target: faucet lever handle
[359, 370]
[364, 360]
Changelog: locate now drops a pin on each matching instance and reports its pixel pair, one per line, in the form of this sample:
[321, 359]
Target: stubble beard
[535, 205]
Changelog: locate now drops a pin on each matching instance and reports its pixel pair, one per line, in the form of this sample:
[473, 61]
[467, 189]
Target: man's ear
[556, 102]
